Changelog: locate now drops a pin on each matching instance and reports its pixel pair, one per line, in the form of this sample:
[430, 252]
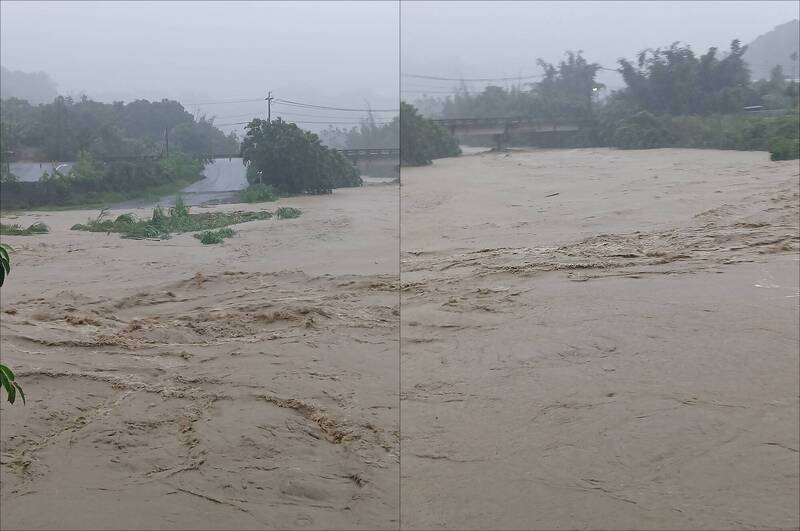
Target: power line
[313, 106]
[514, 78]
[304, 115]
[222, 102]
[308, 122]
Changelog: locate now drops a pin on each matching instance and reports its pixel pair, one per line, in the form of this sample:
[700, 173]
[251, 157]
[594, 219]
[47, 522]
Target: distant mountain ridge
[36, 87]
[774, 48]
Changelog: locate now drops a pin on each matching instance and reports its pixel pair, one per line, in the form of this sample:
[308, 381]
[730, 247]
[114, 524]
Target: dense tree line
[672, 97]
[566, 90]
[62, 129]
[294, 161]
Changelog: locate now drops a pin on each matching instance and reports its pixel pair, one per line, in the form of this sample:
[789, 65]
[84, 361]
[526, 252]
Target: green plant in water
[7, 376]
[208, 237]
[16, 230]
[163, 224]
[287, 213]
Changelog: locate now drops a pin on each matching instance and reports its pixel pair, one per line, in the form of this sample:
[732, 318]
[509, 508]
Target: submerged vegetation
[16, 230]
[162, 224]
[214, 236]
[287, 213]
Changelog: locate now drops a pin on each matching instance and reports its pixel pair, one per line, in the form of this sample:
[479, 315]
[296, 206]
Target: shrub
[287, 213]
[16, 230]
[208, 237]
[258, 193]
[784, 149]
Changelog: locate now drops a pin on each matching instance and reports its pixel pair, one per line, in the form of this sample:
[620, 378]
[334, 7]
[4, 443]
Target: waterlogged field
[250, 384]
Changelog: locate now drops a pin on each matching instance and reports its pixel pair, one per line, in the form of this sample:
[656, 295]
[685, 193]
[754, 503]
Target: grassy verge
[162, 224]
[16, 230]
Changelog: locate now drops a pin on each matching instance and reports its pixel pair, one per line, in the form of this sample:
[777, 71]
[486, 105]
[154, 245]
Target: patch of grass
[287, 213]
[176, 220]
[214, 236]
[258, 193]
[16, 230]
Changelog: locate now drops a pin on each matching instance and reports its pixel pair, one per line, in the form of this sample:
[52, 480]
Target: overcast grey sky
[340, 53]
[499, 39]
[334, 53]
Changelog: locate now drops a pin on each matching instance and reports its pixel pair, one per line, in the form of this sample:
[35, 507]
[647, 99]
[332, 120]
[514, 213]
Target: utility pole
[166, 142]
[269, 99]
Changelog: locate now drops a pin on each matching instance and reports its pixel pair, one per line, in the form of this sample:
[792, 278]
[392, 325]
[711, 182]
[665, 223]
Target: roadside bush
[258, 193]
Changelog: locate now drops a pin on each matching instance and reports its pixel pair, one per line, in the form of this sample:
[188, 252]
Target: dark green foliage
[776, 134]
[784, 149]
[208, 237]
[162, 225]
[5, 262]
[676, 81]
[565, 92]
[62, 129]
[294, 161]
[287, 213]
[421, 140]
[91, 181]
[7, 382]
[641, 131]
[6, 374]
[16, 230]
[258, 193]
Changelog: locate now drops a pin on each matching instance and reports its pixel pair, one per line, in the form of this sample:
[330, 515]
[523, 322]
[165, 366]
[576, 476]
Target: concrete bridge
[355, 155]
[505, 125]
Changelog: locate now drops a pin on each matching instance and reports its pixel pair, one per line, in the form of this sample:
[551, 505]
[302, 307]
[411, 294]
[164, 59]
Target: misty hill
[774, 48]
[36, 87]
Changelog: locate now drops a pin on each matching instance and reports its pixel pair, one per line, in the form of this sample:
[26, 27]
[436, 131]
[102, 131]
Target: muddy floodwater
[588, 339]
[170, 384]
[597, 339]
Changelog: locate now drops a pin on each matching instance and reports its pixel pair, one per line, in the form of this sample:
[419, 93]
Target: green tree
[421, 140]
[293, 160]
[676, 81]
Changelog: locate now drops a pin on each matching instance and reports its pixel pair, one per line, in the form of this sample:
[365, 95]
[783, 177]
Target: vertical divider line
[399, 267]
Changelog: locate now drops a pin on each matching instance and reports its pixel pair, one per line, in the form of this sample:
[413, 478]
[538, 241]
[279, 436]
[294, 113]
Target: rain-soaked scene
[200, 324]
[399, 265]
[599, 276]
